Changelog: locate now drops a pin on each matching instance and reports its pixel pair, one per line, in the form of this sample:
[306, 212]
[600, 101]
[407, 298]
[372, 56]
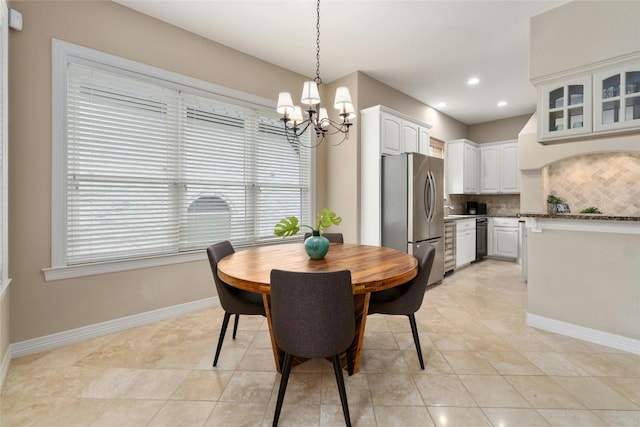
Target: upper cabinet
[482, 169]
[567, 108]
[499, 172]
[399, 134]
[462, 167]
[617, 99]
[605, 100]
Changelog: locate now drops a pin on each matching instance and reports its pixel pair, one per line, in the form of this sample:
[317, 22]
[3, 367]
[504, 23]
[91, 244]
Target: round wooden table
[372, 269]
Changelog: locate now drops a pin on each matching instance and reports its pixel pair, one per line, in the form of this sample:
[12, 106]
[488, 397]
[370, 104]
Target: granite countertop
[596, 217]
[458, 217]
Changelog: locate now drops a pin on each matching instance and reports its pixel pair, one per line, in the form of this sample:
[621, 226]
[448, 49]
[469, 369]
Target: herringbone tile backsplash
[608, 181]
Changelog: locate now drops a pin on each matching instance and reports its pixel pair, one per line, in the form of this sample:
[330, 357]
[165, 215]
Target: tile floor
[484, 367]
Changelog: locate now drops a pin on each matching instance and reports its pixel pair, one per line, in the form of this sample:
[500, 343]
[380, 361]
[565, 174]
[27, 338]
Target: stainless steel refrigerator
[412, 205]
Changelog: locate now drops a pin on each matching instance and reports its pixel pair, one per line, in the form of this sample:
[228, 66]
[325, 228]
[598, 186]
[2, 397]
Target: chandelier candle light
[295, 125]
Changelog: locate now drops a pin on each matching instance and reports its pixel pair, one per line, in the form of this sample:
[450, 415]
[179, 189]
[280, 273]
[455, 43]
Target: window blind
[155, 169]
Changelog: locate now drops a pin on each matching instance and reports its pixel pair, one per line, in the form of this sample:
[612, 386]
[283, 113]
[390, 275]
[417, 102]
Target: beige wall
[596, 283]
[372, 92]
[580, 33]
[497, 130]
[39, 308]
[342, 166]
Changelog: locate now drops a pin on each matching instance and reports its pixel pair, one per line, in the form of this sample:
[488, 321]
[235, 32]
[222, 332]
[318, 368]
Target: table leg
[278, 354]
[361, 308]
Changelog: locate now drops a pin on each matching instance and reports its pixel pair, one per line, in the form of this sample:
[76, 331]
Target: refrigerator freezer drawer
[437, 271]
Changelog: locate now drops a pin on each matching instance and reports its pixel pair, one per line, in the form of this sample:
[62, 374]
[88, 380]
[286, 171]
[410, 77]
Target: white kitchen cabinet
[410, 134]
[465, 241]
[601, 100]
[499, 172]
[401, 135]
[504, 238]
[383, 131]
[391, 131]
[462, 167]
[424, 140]
[617, 98]
[566, 108]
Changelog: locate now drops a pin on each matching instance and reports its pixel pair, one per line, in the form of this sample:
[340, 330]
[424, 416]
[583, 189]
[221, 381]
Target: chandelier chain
[318, 80]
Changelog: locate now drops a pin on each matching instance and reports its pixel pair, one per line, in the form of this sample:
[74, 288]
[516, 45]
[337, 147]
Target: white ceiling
[425, 48]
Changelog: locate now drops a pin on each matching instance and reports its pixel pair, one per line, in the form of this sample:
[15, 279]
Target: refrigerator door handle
[432, 187]
[427, 197]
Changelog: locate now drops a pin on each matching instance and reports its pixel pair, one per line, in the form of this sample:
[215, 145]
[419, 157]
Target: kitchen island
[584, 277]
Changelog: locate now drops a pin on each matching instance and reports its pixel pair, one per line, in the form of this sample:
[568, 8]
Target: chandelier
[296, 123]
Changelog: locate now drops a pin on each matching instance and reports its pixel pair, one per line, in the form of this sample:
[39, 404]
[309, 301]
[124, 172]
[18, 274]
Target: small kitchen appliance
[475, 208]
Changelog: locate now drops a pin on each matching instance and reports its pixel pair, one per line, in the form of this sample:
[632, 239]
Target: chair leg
[416, 339]
[223, 330]
[286, 369]
[337, 368]
[235, 325]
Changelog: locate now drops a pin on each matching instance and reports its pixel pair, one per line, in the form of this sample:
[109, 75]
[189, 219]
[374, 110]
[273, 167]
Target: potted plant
[552, 202]
[591, 210]
[316, 246]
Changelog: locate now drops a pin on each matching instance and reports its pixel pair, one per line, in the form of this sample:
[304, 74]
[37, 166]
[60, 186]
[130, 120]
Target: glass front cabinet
[605, 100]
[617, 99]
[567, 108]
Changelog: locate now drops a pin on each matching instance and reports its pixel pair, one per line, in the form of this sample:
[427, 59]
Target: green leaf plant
[290, 225]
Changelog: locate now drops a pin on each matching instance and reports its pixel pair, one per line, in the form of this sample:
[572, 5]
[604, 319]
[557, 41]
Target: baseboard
[587, 334]
[48, 342]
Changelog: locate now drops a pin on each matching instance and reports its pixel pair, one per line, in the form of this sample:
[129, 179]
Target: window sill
[69, 272]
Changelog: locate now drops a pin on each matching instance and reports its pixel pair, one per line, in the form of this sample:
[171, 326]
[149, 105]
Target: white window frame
[62, 54]
[4, 61]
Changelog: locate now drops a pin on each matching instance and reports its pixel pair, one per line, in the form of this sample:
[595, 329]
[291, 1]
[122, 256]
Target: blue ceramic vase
[316, 245]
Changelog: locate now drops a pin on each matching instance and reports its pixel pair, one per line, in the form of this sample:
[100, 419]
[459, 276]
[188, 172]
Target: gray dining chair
[312, 315]
[406, 299]
[233, 300]
[332, 237]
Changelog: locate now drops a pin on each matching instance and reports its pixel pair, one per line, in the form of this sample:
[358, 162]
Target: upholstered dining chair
[406, 299]
[233, 300]
[332, 237]
[312, 316]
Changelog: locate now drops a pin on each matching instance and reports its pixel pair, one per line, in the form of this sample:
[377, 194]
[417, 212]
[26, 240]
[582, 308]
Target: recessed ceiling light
[502, 103]
[441, 104]
[473, 81]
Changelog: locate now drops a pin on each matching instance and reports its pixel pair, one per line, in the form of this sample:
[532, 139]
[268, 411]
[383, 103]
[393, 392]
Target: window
[436, 148]
[157, 166]
[4, 36]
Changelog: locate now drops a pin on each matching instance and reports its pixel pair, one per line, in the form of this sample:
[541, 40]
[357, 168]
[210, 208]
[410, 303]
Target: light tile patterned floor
[484, 367]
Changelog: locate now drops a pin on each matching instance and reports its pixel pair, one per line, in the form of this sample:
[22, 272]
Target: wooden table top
[372, 268]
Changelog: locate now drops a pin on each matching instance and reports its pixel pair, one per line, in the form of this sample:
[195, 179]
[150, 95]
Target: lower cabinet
[465, 241]
[504, 237]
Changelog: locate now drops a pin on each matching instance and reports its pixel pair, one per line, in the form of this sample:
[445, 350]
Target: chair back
[409, 296]
[332, 237]
[231, 299]
[312, 314]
